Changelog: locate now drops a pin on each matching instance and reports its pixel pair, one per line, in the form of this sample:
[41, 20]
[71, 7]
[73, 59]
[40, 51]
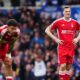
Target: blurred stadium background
[35, 54]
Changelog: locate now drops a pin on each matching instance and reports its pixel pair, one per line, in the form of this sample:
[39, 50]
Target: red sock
[67, 77]
[64, 77]
[9, 78]
[61, 77]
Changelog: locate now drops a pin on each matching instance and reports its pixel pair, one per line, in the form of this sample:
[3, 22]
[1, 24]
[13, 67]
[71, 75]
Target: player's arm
[11, 45]
[16, 37]
[2, 32]
[49, 30]
[78, 37]
[75, 40]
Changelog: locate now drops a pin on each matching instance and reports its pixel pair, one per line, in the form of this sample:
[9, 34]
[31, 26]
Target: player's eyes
[67, 11]
[13, 28]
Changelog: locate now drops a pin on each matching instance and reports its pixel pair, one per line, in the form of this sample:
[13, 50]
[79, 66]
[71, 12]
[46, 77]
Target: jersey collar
[67, 20]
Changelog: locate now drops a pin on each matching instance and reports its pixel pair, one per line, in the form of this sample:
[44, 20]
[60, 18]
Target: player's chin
[68, 15]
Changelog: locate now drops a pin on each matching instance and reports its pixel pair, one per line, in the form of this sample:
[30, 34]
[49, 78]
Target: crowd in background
[15, 3]
[35, 54]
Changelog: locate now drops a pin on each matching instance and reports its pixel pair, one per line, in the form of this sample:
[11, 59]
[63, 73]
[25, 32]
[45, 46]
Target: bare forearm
[78, 37]
[49, 33]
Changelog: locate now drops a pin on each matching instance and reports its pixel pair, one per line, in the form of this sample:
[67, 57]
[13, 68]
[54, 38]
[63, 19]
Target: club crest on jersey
[72, 25]
[63, 25]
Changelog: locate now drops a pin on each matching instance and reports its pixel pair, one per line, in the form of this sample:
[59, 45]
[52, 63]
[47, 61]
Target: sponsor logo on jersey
[67, 32]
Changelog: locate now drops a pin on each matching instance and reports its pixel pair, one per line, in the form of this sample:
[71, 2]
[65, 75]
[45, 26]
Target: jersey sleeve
[77, 26]
[2, 29]
[54, 25]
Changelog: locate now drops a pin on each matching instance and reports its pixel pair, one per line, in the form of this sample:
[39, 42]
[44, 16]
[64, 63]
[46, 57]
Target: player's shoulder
[74, 20]
[58, 20]
[4, 27]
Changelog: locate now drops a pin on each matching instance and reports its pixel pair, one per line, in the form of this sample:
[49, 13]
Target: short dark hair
[12, 22]
[65, 7]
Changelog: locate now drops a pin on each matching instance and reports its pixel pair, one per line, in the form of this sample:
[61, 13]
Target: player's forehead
[12, 27]
[67, 9]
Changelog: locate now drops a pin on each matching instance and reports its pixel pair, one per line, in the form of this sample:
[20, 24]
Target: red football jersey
[6, 36]
[66, 31]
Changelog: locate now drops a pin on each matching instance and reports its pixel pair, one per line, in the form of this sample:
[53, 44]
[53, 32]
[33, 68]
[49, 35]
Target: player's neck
[66, 19]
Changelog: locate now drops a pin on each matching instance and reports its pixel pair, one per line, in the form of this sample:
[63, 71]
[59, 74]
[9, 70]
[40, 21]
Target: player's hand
[75, 41]
[58, 41]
